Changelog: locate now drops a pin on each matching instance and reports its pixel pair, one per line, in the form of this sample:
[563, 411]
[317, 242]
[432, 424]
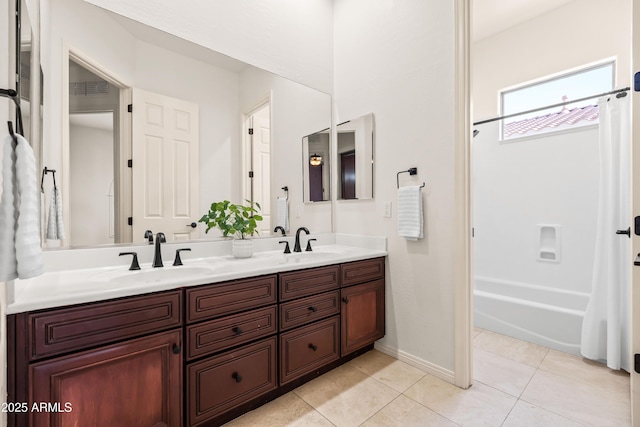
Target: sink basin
[155, 275]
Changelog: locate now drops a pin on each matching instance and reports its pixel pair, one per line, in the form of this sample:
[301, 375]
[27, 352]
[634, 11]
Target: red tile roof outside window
[565, 119]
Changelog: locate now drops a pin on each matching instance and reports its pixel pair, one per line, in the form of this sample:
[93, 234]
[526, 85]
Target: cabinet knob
[176, 349]
[313, 347]
[237, 330]
[236, 376]
[345, 300]
[313, 309]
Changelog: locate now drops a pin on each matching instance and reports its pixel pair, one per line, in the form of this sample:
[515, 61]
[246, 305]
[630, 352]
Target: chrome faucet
[296, 247]
[157, 256]
[279, 227]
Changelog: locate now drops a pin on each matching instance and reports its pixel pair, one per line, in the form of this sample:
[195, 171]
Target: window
[576, 85]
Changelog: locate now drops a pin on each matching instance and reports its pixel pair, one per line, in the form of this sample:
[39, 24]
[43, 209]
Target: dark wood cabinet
[238, 344]
[362, 315]
[306, 310]
[304, 349]
[64, 330]
[228, 366]
[209, 301]
[225, 381]
[133, 383]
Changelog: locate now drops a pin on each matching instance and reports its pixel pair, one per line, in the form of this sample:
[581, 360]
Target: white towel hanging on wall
[410, 215]
[283, 213]
[55, 223]
[20, 249]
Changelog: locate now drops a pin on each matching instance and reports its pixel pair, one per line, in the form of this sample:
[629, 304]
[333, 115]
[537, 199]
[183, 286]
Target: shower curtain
[606, 329]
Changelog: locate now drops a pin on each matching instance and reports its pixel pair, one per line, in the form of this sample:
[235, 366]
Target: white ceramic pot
[242, 248]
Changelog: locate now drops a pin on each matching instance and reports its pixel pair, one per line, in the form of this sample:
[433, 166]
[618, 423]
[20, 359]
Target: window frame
[548, 79]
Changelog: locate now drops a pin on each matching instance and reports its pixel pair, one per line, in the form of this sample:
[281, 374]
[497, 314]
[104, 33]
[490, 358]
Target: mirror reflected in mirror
[316, 166]
[208, 154]
[355, 158]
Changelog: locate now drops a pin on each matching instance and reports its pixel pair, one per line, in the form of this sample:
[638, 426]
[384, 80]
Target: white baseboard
[428, 367]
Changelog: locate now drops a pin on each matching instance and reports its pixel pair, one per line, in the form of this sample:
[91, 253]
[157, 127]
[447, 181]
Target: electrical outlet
[387, 210]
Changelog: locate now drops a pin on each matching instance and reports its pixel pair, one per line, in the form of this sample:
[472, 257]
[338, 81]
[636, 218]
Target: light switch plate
[387, 210]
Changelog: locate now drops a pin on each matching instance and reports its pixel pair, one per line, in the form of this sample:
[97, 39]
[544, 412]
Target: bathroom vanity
[196, 355]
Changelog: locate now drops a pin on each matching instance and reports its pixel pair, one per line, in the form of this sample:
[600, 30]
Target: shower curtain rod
[481, 122]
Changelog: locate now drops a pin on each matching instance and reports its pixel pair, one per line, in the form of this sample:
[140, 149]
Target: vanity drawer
[226, 332]
[220, 383]
[230, 297]
[63, 330]
[303, 283]
[308, 348]
[306, 310]
[362, 271]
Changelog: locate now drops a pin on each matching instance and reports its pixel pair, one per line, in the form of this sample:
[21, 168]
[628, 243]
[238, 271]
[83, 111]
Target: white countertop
[58, 287]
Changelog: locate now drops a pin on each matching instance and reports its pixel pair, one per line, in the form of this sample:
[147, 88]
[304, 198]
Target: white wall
[578, 33]
[396, 60]
[291, 38]
[549, 179]
[92, 171]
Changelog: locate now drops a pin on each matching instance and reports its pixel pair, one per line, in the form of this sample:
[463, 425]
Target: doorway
[464, 176]
[257, 149]
[92, 139]
[93, 186]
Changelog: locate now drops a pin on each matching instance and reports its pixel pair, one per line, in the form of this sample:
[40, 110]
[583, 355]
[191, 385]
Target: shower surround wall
[521, 187]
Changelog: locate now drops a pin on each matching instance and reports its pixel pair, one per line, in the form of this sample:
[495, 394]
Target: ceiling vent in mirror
[100, 87]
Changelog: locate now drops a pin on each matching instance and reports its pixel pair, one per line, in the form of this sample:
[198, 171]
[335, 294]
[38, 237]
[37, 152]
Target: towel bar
[410, 171]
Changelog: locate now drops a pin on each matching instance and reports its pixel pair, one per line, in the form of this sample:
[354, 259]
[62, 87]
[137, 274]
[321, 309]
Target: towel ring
[286, 190]
[410, 171]
[45, 171]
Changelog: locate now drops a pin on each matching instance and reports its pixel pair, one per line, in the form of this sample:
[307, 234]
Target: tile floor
[516, 384]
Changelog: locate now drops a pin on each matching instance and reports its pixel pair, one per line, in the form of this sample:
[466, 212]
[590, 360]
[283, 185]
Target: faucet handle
[149, 235]
[178, 261]
[286, 248]
[134, 261]
[309, 245]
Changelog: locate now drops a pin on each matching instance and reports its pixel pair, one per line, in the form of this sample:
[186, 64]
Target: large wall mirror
[355, 158]
[316, 167]
[188, 141]
[29, 74]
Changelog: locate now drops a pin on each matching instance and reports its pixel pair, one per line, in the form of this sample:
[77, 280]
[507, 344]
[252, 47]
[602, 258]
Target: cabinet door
[134, 383]
[362, 315]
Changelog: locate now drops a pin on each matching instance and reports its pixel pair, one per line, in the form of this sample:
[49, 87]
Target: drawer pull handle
[345, 300]
[313, 309]
[313, 347]
[176, 349]
[237, 330]
[236, 376]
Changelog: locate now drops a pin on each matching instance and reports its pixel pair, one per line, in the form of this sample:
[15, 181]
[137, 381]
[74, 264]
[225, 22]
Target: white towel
[283, 213]
[55, 224]
[410, 216]
[20, 249]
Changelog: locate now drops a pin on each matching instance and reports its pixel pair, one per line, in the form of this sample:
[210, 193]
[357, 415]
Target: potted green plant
[238, 221]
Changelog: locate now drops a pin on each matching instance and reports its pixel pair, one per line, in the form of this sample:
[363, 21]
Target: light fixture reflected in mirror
[315, 160]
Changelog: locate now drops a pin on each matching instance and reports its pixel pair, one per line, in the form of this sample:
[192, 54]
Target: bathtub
[538, 314]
